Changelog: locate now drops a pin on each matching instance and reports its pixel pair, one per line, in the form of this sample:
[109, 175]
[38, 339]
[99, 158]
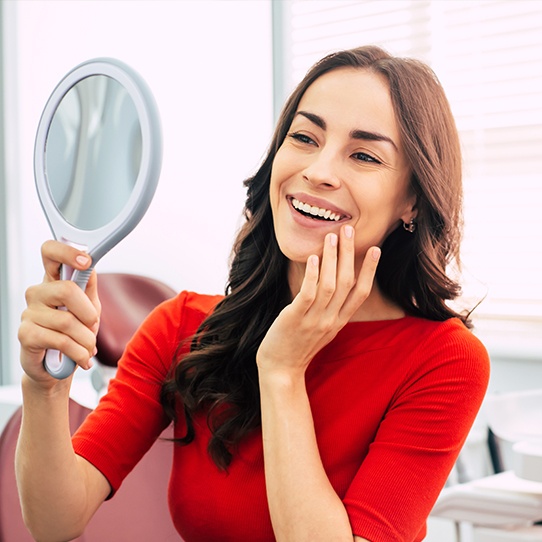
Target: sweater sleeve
[420, 437]
[130, 417]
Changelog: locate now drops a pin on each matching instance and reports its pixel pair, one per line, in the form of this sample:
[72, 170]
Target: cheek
[273, 189]
[279, 173]
[379, 214]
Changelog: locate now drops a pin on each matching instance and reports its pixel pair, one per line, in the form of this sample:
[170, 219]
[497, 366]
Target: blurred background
[220, 71]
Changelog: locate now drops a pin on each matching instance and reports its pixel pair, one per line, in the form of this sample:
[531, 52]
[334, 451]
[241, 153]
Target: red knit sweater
[392, 403]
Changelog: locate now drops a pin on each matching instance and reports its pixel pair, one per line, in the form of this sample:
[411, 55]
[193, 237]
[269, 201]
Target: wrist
[281, 378]
[47, 389]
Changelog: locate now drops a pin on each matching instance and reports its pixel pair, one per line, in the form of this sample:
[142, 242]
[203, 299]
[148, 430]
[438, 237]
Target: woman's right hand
[43, 326]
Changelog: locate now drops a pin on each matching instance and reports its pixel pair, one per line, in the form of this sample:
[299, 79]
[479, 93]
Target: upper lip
[318, 202]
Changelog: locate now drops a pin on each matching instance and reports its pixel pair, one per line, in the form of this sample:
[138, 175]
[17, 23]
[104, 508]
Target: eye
[302, 138]
[364, 157]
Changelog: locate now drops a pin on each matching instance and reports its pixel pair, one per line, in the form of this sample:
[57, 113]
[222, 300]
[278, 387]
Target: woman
[328, 394]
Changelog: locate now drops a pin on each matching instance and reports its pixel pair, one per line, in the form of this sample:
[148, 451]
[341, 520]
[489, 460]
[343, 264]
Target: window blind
[488, 56]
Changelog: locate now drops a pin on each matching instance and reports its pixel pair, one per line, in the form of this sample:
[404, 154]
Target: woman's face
[342, 162]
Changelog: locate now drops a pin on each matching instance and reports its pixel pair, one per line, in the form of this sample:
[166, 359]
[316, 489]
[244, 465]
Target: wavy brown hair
[219, 375]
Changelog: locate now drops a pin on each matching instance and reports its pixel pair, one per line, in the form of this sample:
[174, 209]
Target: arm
[59, 491]
[303, 504]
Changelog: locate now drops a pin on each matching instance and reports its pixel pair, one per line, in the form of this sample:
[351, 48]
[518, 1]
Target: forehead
[354, 97]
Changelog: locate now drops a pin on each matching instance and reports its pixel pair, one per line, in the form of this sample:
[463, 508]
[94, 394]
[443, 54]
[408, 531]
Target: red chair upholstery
[126, 301]
[139, 511]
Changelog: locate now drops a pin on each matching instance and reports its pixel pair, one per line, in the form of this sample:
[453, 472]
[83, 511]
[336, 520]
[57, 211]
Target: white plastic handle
[57, 364]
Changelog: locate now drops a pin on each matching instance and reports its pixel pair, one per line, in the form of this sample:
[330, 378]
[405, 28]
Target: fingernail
[375, 253]
[333, 239]
[81, 259]
[349, 231]
[313, 261]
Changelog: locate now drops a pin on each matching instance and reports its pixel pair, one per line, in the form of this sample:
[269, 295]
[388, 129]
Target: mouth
[316, 213]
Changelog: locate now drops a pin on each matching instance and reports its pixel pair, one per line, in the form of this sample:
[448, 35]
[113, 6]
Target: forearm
[50, 477]
[302, 502]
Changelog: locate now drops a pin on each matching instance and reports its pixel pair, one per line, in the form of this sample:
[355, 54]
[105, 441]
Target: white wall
[209, 65]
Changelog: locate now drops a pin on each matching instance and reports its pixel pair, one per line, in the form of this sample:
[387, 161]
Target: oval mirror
[97, 161]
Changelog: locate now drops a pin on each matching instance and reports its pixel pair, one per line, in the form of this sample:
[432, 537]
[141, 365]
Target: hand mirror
[97, 161]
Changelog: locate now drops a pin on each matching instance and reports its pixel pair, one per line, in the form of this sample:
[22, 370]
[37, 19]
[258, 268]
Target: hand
[43, 326]
[328, 299]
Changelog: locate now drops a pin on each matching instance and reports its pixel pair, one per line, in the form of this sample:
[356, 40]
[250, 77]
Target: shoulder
[449, 348]
[193, 304]
[185, 308]
[172, 322]
[450, 338]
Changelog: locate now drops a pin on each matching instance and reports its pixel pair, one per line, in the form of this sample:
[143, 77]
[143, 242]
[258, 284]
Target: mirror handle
[57, 364]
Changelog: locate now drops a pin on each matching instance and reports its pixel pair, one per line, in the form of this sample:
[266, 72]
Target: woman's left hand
[329, 296]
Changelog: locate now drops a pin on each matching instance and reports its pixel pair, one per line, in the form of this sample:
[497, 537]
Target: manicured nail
[333, 239]
[313, 260]
[82, 259]
[349, 231]
[375, 253]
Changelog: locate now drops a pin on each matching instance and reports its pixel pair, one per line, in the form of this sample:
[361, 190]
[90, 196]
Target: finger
[54, 254]
[38, 333]
[66, 323]
[346, 277]
[63, 293]
[364, 284]
[309, 287]
[328, 271]
[50, 339]
[92, 293]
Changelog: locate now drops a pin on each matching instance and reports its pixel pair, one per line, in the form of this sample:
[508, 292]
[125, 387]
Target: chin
[301, 251]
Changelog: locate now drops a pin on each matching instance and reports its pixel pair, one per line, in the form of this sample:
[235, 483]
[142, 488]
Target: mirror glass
[93, 152]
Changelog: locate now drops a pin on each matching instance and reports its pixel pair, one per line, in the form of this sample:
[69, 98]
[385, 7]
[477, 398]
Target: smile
[317, 213]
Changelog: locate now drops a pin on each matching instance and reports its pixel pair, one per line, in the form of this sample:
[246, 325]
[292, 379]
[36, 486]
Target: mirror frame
[100, 240]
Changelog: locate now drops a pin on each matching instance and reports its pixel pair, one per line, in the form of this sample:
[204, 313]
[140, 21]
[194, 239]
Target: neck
[375, 307]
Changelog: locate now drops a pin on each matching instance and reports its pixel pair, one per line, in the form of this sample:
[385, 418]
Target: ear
[410, 210]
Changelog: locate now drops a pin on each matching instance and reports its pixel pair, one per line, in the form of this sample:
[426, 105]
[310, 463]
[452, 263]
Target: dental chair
[139, 511]
[506, 506]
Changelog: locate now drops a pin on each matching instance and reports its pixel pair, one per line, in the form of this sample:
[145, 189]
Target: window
[488, 56]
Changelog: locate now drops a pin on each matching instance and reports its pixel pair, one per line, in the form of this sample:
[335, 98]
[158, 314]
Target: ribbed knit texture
[392, 401]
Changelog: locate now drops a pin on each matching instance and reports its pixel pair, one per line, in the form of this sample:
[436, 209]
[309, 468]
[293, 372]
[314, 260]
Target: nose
[323, 171]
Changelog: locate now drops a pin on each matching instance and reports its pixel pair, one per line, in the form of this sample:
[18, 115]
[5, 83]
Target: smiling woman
[327, 395]
[340, 156]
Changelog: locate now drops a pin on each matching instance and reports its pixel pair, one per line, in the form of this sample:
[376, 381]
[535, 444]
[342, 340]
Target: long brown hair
[219, 376]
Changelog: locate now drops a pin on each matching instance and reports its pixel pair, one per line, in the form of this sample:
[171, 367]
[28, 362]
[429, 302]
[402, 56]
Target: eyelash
[360, 156]
[302, 138]
[366, 158]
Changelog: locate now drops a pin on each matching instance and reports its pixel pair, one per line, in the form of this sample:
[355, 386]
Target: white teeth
[315, 211]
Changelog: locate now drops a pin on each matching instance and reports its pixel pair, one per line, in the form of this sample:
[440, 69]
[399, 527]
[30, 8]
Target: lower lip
[308, 222]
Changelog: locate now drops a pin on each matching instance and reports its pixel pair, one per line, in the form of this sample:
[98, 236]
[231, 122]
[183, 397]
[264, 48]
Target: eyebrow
[354, 134]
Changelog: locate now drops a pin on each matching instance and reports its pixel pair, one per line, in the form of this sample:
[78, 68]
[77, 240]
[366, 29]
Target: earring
[410, 227]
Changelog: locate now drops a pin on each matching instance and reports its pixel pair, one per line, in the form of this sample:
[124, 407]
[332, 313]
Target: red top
[392, 401]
